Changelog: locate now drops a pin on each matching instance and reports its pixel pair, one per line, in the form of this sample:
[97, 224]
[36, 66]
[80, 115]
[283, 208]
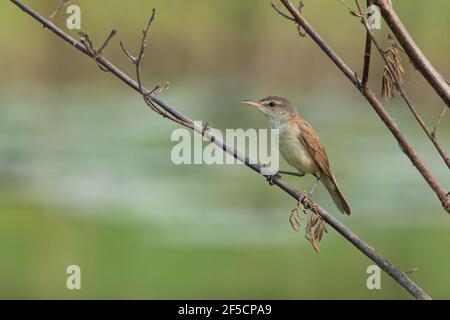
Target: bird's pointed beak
[252, 103]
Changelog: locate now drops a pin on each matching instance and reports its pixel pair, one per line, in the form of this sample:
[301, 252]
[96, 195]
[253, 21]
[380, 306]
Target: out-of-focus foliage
[86, 176]
[211, 38]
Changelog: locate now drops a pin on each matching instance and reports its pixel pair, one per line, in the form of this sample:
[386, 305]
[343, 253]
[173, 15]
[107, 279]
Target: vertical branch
[367, 53]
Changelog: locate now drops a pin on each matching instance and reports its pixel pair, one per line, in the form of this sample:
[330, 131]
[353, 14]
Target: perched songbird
[300, 145]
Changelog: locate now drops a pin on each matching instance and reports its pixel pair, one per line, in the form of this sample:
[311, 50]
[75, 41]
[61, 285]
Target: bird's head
[274, 108]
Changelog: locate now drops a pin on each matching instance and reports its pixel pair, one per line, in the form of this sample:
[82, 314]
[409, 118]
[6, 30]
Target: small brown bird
[300, 145]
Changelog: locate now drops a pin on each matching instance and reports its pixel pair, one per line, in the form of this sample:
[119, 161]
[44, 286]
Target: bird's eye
[272, 104]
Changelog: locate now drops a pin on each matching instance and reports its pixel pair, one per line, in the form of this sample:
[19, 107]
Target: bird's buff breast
[293, 150]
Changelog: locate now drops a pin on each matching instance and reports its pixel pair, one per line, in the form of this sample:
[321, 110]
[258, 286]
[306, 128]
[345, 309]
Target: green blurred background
[86, 176]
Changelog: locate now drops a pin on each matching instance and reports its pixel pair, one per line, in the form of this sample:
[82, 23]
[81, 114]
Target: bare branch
[420, 61]
[281, 13]
[133, 60]
[148, 95]
[405, 146]
[106, 42]
[366, 249]
[145, 34]
[284, 15]
[395, 71]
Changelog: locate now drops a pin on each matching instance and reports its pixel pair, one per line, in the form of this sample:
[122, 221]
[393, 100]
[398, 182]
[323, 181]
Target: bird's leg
[297, 174]
[272, 177]
[315, 184]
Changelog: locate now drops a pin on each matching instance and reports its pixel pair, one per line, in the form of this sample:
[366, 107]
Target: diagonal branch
[413, 51]
[401, 89]
[405, 146]
[393, 271]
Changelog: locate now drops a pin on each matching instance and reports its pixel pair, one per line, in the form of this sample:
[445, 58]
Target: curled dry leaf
[294, 219]
[314, 219]
[315, 226]
[318, 233]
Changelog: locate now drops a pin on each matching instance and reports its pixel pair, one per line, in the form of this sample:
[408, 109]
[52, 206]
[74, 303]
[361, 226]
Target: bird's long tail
[336, 194]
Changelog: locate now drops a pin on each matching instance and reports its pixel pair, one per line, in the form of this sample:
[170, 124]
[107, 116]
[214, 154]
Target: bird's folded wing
[309, 138]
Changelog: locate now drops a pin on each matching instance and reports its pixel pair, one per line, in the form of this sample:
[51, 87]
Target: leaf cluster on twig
[393, 55]
[417, 58]
[315, 226]
[393, 81]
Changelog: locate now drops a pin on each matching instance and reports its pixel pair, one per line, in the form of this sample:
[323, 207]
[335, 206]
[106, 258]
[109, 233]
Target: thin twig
[436, 126]
[398, 84]
[352, 11]
[411, 270]
[106, 42]
[408, 149]
[284, 15]
[59, 8]
[89, 44]
[366, 249]
[281, 13]
[143, 48]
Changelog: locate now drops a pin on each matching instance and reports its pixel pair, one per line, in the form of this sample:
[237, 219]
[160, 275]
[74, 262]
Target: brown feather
[309, 138]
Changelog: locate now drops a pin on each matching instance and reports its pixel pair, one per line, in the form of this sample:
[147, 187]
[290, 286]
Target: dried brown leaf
[315, 245]
[313, 220]
[394, 61]
[318, 233]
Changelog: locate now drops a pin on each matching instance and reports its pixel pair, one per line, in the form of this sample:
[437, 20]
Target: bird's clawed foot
[271, 178]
